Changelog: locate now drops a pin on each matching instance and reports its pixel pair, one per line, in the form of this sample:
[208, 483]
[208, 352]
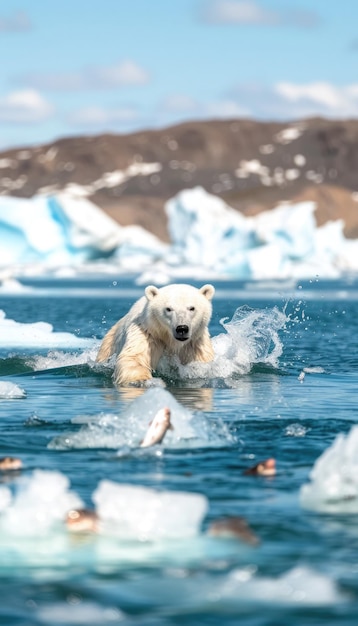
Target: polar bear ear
[151, 292]
[207, 291]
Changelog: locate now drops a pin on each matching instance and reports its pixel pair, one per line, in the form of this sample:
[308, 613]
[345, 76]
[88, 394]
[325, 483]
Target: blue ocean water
[295, 392]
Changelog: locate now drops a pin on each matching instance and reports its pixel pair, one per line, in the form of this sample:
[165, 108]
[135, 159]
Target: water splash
[251, 337]
[9, 390]
[126, 430]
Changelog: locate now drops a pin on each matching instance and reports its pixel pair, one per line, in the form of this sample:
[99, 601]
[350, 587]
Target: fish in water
[263, 468]
[82, 520]
[10, 463]
[234, 527]
[157, 428]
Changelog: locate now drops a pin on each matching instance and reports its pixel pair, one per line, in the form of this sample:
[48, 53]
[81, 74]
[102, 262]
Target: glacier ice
[209, 239]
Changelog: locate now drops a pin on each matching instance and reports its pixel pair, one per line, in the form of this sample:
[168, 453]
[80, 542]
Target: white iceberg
[209, 239]
[62, 229]
[278, 244]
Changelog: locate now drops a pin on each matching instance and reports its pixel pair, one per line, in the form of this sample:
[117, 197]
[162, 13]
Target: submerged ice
[125, 432]
[208, 238]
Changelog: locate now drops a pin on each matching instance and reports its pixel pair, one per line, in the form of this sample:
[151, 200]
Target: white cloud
[321, 97]
[122, 74]
[250, 12]
[24, 107]
[235, 12]
[176, 109]
[180, 103]
[225, 109]
[19, 22]
[286, 100]
[102, 117]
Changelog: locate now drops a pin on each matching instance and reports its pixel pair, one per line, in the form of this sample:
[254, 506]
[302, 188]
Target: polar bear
[171, 320]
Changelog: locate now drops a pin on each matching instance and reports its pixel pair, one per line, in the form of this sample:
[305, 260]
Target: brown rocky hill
[252, 165]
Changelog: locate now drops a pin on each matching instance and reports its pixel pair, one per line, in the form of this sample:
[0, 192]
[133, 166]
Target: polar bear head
[180, 311]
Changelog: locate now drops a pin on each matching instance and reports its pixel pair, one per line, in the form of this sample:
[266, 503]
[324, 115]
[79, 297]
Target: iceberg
[67, 233]
[278, 244]
[52, 231]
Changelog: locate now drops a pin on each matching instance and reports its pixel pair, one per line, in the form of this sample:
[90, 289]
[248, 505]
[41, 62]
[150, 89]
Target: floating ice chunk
[38, 334]
[5, 497]
[86, 613]
[146, 514]
[9, 390]
[11, 285]
[40, 502]
[334, 477]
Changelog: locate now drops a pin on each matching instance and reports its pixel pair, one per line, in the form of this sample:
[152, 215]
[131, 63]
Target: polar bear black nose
[181, 330]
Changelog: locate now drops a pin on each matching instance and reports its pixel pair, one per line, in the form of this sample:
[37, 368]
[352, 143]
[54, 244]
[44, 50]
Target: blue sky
[91, 66]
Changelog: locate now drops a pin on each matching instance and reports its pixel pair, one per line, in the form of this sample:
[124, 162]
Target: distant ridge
[252, 165]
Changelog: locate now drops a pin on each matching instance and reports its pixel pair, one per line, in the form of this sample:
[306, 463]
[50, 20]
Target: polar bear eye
[168, 309]
[192, 308]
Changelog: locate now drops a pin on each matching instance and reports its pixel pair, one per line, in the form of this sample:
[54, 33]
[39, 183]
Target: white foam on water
[314, 370]
[301, 586]
[251, 337]
[58, 358]
[146, 514]
[108, 430]
[333, 486]
[296, 430]
[9, 390]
